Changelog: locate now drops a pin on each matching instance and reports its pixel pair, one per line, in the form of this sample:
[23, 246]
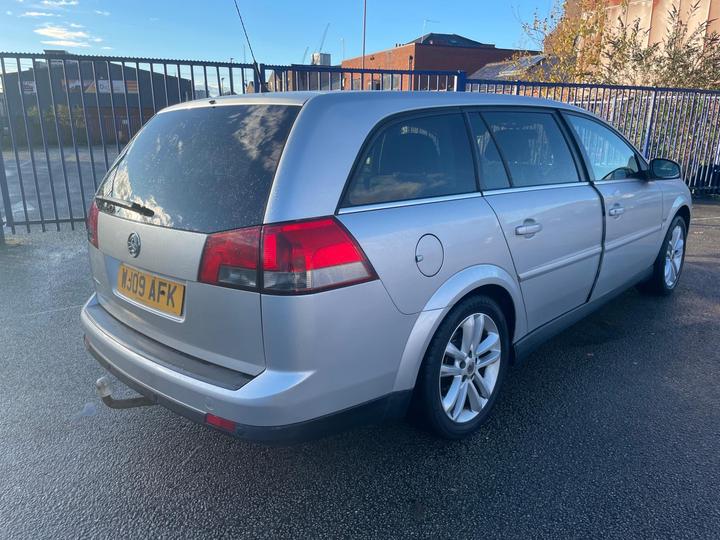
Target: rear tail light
[299, 257]
[92, 224]
[311, 255]
[231, 258]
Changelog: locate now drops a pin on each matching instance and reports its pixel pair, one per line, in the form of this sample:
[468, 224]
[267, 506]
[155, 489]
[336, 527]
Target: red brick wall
[458, 58]
[396, 58]
[434, 57]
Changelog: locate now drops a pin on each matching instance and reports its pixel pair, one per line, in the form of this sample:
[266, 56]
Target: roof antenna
[256, 67]
[425, 21]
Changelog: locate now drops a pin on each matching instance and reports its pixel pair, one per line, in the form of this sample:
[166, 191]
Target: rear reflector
[308, 256]
[92, 224]
[222, 423]
[231, 258]
[298, 257]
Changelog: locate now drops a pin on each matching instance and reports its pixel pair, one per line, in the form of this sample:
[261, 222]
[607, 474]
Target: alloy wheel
[470, 367]
[674, 257]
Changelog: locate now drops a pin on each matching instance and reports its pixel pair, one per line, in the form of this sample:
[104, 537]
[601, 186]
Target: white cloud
[101, 12]
[67, 36]
[8, 12]
[60, 32]
[38, 14]
[106, 48]
[65, 43]
[59, 3]
[75, 25]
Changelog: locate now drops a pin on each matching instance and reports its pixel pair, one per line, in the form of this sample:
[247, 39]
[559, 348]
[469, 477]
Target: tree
[585, 47]
[687, 57]
[570, 36]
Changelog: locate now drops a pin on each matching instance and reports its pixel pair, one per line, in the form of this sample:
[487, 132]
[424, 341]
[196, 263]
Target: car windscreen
[203, 169]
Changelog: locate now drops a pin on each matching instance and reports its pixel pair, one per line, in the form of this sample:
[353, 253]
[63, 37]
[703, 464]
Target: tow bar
[104, 390]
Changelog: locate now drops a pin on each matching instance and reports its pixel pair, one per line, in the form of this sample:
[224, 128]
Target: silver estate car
[279, 265]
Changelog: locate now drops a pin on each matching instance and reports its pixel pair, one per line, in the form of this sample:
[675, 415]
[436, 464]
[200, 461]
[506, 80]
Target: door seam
[602, 240]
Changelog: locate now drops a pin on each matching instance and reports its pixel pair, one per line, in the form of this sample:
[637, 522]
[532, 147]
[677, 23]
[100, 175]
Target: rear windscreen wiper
[134, 206]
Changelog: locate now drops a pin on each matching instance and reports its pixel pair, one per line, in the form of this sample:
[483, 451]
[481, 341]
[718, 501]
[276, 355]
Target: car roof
[407, 100]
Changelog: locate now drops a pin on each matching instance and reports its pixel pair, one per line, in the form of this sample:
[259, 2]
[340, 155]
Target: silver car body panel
[632, 237]
[465, 227]
[675, 195]
[556, 266]
[315, 354]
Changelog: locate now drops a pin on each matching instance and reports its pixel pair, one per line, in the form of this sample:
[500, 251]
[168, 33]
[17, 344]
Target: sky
[279, 30]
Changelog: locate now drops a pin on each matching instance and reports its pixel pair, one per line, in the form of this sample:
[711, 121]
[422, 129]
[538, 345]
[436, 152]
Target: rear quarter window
[414, 158]
[204, 169]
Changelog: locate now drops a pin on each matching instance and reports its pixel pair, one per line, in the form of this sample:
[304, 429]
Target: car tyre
[466, 360]
[669, 263]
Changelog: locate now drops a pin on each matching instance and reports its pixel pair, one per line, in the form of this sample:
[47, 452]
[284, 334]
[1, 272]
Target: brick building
[442, 52]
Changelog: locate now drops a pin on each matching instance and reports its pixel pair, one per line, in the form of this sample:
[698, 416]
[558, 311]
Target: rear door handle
[528, 229]
[616, 210]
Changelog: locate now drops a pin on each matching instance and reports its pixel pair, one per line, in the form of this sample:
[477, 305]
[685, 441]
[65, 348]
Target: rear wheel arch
[481, 280]
[504, 299]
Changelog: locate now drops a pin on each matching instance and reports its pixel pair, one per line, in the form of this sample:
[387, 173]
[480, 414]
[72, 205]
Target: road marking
[42, 312]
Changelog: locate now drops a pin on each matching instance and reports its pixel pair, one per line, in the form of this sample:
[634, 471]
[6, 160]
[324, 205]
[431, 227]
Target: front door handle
[528, 229]
[616, 210]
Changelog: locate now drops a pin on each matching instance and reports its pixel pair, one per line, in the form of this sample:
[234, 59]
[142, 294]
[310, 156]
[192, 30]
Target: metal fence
[64, 118]
[301, 77]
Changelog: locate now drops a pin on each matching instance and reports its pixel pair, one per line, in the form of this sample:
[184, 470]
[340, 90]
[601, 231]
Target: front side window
[414, 158]
[608, 156]
[533, 146]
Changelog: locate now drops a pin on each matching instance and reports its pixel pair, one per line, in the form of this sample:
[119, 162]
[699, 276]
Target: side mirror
[664, 169]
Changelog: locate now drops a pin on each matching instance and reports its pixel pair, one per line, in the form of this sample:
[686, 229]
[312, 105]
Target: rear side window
[534, 148]
[204, 169]
[491, 168]
[414, 158]
[609, 157]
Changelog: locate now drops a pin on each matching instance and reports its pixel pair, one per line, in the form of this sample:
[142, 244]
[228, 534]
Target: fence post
[516, 91]
[259, 78]
[460, 81]
[5, 196]
[650, 120]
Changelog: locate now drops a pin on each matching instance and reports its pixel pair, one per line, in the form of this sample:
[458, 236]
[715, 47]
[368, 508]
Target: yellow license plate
[151, 290]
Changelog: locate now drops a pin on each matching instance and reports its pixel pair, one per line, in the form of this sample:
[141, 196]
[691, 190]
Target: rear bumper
[389, 407]
[268, 408]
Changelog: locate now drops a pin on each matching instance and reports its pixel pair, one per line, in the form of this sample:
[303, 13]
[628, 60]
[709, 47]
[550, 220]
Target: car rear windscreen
[204, 169]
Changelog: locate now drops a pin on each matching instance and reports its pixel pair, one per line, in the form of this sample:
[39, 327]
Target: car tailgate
[216, 324]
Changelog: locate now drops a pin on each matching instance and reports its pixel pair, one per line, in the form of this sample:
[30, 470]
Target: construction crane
[322, 41]
[305, 55]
